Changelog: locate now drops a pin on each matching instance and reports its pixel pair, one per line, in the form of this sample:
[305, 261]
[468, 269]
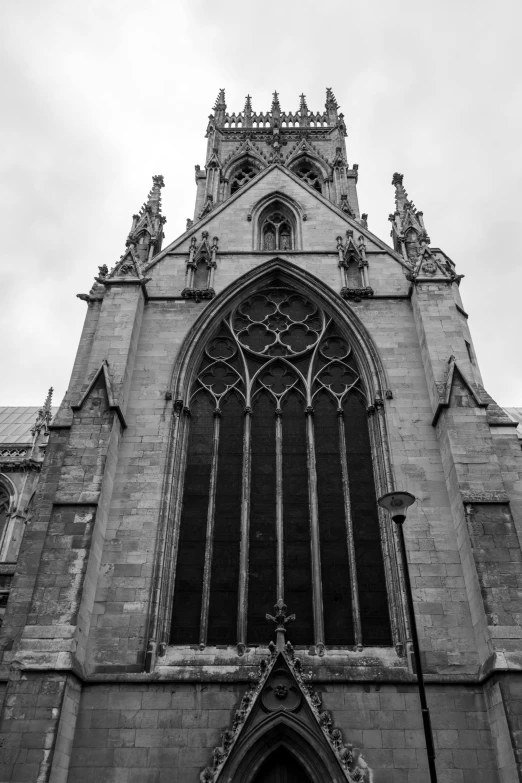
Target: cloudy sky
[98, 95]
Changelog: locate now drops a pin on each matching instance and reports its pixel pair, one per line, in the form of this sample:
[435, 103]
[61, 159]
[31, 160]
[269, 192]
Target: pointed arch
[291, 209]
[277, 732]
[247, 163]
[311, 154]
[367, 354]
[373, 381]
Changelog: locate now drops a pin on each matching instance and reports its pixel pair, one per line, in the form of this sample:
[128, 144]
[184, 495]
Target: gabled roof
[352, 222]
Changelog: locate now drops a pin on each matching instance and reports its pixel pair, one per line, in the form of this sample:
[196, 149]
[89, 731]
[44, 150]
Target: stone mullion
[205, 601]
[317, 586]
[279, 506]
[354, 588]
[245, 534]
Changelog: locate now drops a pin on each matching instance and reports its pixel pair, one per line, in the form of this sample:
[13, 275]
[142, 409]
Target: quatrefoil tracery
[278, 328]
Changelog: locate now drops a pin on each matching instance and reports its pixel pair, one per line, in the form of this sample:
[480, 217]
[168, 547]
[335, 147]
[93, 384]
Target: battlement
[302, 118]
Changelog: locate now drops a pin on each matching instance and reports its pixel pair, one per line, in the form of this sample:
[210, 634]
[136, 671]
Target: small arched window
[242, 175]
[306, 171]
[277, 233]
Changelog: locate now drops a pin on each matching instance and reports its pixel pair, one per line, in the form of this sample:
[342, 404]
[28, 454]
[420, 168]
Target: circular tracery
[277, 323]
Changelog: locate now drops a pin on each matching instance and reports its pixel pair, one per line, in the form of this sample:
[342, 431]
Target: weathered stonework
[94, 691]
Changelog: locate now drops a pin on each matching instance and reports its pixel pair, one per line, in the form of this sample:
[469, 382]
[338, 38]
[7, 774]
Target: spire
[276, 107]
[44, 416]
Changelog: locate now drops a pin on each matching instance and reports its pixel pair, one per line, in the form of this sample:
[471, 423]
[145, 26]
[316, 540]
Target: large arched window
[279, 496]
[308, 172]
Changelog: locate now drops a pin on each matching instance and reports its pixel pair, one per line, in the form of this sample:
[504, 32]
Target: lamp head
[397, 503]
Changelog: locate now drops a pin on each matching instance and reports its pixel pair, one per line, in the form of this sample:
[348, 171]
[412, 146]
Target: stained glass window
[279, 495]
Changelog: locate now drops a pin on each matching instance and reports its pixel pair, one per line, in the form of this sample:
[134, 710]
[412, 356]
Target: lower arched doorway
[281, 767]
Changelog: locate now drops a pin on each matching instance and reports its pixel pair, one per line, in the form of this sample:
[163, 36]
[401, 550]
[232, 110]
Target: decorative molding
[281, 687]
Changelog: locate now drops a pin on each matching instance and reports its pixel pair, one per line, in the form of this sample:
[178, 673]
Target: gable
[322, 220]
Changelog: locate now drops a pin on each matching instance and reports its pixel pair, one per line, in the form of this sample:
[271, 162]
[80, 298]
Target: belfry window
[306, 171]
[244, 174]
[277, 234]
[279, 497]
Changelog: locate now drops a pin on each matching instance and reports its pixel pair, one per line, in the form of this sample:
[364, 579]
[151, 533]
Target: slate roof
[16, 423]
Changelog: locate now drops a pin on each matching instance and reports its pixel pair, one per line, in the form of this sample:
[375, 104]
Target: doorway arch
[282, 767]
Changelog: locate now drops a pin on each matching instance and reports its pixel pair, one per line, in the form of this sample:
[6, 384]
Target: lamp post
[397, 503]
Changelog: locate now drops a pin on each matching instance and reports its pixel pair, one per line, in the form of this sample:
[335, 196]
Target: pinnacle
[330, 99]
[220, 100]
[248, 104]
[275, 102]
[48, 400]
[303, 108]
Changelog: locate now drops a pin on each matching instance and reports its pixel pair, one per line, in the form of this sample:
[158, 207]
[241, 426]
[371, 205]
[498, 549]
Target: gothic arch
[303, 157]
[374, 383]
[234, 167]
[290, 206]
[281, 731]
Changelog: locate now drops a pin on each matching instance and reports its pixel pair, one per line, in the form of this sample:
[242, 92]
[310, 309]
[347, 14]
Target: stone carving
[281, 684]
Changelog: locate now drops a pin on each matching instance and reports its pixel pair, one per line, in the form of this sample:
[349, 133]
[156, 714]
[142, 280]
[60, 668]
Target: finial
[280, 619]
[248, 104]
[154, 197]
[303, 108]
[220, 101]
[397, 179]
[331, 103]
[275, 103]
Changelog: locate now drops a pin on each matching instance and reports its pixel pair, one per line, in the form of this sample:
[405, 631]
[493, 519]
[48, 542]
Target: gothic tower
[207, 589]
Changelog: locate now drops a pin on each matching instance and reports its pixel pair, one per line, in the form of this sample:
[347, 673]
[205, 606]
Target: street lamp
[397, 503]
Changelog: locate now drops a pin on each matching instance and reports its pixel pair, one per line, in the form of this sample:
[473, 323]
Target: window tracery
[244, 174]
[306, 171]
[277, 233]
[279, 498]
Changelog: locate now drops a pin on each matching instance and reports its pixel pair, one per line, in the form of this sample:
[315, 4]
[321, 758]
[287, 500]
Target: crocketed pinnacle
[248, 104]
[276, 107]
[220, 101]
[43, 418]
[153, 203]
[303, 108]
[331, 103]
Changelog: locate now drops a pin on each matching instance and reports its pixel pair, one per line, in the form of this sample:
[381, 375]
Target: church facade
[206, 589]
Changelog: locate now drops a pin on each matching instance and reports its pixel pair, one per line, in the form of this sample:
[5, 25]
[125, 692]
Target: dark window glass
[191, 554]
[263, 550]
[296, 521]
[337, 605]
[227, 525]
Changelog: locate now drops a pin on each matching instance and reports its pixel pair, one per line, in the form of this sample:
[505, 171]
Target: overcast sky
[99, 95]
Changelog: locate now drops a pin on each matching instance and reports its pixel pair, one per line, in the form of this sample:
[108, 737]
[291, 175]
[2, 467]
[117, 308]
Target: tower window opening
[243, 175]
[306, 171]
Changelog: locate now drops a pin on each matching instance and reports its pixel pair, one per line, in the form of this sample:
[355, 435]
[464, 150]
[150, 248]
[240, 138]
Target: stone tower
[207, 589]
